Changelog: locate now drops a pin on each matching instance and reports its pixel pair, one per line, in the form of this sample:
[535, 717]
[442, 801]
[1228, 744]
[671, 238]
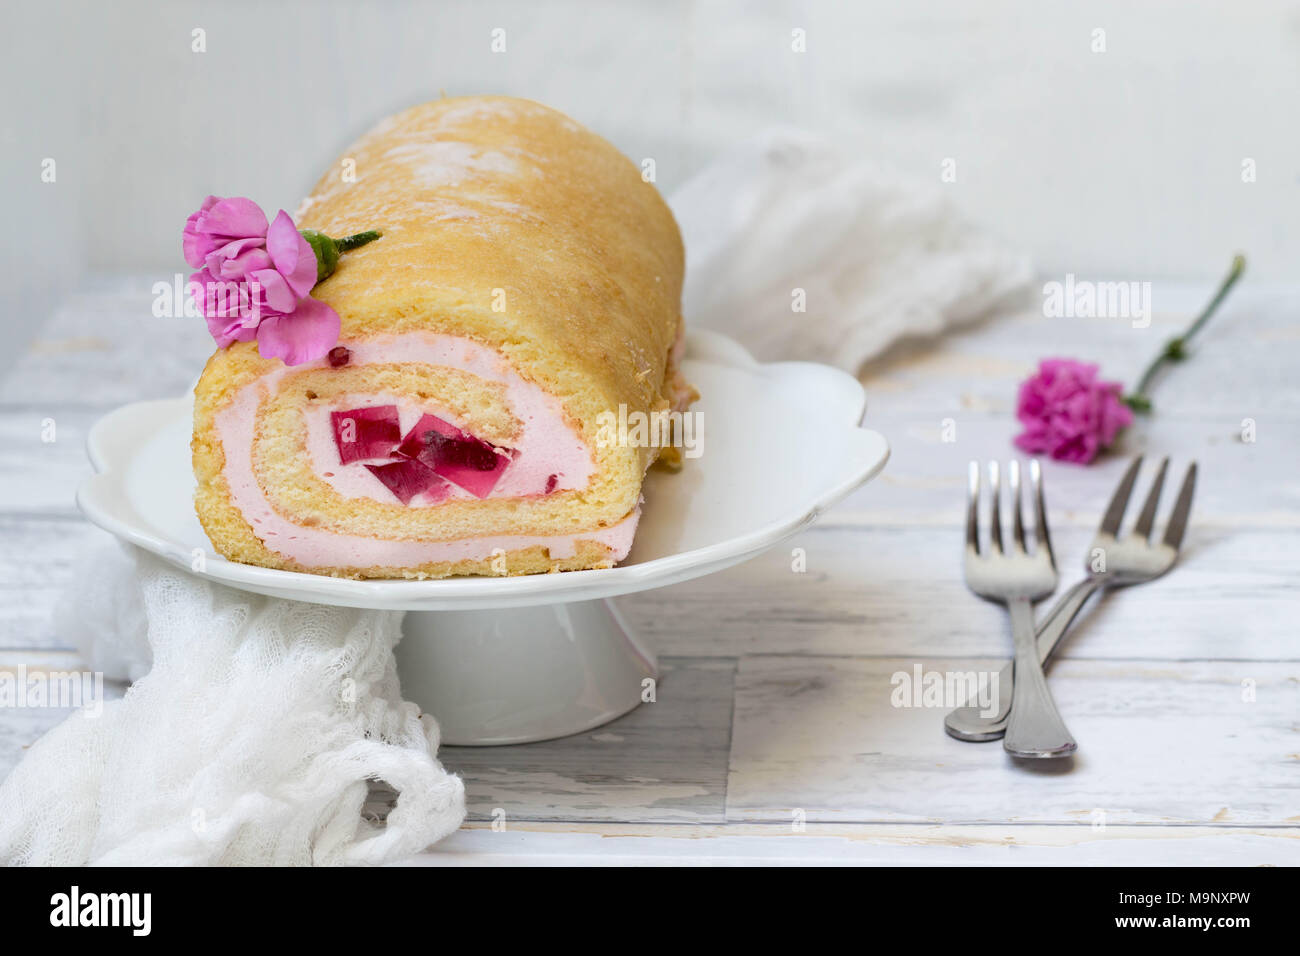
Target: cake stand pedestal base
[515, 675]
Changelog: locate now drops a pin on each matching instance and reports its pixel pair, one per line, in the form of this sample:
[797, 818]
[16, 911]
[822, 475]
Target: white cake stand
[515, 659]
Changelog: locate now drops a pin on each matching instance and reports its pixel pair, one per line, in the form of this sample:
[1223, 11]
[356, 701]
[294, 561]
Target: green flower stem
[1175, 349]
[328, 250]
[348, 243]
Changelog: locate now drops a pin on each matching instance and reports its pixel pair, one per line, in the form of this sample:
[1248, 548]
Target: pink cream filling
[546, 446]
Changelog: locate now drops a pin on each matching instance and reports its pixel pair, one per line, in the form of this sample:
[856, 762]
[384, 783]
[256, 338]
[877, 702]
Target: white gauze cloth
[877, 258]
[250, 740]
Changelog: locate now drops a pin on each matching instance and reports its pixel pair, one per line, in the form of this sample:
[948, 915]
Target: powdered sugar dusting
[473, 110]
[447, 211]
[449, 163]
[511, 207]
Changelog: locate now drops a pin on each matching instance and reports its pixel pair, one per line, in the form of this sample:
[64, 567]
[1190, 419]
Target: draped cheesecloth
[251, 740]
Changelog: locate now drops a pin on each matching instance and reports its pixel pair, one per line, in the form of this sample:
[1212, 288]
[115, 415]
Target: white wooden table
[773, 737]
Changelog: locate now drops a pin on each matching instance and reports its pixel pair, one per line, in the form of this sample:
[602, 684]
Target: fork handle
[969, 722]
[1063, 613]
[1035, 727]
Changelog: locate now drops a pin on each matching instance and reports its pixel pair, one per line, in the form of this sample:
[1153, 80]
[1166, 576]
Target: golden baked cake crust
[478, 194]
[508, 225]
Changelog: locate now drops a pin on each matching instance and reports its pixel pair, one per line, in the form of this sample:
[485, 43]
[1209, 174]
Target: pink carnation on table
[1067, 413]
[255, 281]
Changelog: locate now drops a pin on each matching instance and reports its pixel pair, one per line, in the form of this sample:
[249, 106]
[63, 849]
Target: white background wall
[1126, 163]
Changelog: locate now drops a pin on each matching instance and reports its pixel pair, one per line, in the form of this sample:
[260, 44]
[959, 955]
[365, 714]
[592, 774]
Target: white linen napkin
[787, 220]
[250, 740]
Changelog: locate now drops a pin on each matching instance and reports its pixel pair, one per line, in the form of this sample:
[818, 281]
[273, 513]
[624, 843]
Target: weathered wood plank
[664, 761]
[1243, 364]
[1159, 742]
[1233, 598]
[104, 348]
[38, 558]
[892, 591]
[22, 726]
[1240, 484]
[879, 845]
[43, 458]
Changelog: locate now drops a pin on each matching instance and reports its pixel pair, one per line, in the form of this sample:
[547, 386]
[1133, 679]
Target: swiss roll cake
[526, 287]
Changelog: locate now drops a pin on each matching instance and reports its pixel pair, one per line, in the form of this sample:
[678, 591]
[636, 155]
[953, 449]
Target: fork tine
[1182, 508]
[972, 508]
[1040, 509]
[1115, 510]
[1148, 516]
[995, 522]
[1017, 522]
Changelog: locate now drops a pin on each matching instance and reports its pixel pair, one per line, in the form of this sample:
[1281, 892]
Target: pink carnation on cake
[255, 281]
[1067, 413]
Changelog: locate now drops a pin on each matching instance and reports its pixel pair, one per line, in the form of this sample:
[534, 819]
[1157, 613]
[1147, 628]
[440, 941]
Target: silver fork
[1017, 579]
[1110, 562]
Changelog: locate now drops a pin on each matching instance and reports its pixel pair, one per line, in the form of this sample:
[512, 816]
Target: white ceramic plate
[781, 443]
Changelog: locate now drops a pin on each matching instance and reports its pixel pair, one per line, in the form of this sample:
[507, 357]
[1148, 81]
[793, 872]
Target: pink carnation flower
[1067, 413]
[255, 281]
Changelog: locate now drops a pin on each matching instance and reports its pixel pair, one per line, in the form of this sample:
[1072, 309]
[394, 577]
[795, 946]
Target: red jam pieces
[366, 433]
